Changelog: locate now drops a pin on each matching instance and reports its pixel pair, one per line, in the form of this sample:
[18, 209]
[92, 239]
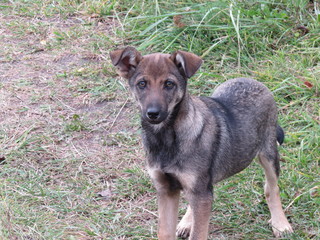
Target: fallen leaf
[308, 84]
[303, 30]
[177, 21]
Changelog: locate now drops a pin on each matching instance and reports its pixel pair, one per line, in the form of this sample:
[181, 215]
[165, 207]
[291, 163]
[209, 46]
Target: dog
[192, 142]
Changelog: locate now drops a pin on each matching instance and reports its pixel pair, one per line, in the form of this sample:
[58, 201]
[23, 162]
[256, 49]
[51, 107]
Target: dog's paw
[281, 228]
[183, 229]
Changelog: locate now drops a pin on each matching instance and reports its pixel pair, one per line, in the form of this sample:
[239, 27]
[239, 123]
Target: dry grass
[64, 126]
[71, 161]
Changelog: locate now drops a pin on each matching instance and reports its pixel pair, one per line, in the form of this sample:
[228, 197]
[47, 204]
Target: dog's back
[247, 114]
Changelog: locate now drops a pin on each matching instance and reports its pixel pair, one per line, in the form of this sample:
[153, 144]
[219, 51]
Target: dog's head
[157, 80]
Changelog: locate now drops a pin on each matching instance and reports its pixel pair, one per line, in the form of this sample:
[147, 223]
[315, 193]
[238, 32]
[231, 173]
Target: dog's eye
[142, 84]
[169, 84]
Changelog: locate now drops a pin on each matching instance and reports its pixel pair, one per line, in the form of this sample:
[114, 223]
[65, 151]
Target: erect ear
[187, 63]
[126, 60]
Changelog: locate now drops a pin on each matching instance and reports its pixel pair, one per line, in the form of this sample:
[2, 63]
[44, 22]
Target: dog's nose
[153, 113]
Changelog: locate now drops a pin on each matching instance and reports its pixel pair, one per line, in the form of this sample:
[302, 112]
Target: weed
[75, 124]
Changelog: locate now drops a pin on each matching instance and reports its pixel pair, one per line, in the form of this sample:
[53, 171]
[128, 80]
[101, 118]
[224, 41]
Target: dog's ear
[187, 63]
[126, 60]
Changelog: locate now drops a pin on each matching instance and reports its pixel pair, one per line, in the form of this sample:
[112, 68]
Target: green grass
[70, 129]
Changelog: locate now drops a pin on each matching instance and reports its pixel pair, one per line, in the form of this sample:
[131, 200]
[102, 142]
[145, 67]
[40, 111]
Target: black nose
[153, 113]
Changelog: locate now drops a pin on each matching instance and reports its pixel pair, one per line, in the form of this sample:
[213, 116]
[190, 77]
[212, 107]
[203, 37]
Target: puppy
[194, 142]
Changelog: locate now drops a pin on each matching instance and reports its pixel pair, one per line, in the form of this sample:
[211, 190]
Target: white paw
[183, 229]
[281, 228]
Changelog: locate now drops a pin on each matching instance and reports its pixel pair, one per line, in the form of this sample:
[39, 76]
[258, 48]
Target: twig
[116, 118]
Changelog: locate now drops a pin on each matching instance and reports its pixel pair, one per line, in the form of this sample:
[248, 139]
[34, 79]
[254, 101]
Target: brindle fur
[193, 143]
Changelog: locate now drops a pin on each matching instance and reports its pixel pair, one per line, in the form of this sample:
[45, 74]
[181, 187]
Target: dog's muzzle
[154, 115]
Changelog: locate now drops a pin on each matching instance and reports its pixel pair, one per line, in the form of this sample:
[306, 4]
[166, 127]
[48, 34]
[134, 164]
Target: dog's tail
[280, 134]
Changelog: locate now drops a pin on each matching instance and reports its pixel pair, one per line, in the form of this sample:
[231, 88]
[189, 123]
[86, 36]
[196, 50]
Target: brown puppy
[193, 143]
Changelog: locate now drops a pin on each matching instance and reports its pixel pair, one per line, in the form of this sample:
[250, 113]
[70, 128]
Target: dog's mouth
[155, 121]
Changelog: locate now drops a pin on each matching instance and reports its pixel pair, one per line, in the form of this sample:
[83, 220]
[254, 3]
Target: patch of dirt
[61, 112]
[38, 77]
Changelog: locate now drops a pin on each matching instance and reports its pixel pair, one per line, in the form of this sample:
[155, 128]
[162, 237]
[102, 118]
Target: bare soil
[41, 107]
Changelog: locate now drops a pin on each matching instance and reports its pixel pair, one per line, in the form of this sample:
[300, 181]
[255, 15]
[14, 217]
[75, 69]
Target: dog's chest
[168, 142]
[173, 177]
[162, 147]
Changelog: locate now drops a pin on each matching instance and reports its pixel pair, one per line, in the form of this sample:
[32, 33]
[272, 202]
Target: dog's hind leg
[270, 163]
[184, 226]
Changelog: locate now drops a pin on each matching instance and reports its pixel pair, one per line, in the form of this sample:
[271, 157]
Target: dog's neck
[190, 119]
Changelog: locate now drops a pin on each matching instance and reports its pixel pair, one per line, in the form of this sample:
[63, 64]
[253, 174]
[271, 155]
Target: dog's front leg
[201, 211]
[168, 201]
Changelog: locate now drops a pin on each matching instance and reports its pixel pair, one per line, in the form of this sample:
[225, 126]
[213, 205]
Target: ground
[59, 118]
[71, 159]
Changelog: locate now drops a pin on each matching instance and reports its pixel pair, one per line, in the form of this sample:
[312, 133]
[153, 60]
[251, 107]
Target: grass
[71, 159]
